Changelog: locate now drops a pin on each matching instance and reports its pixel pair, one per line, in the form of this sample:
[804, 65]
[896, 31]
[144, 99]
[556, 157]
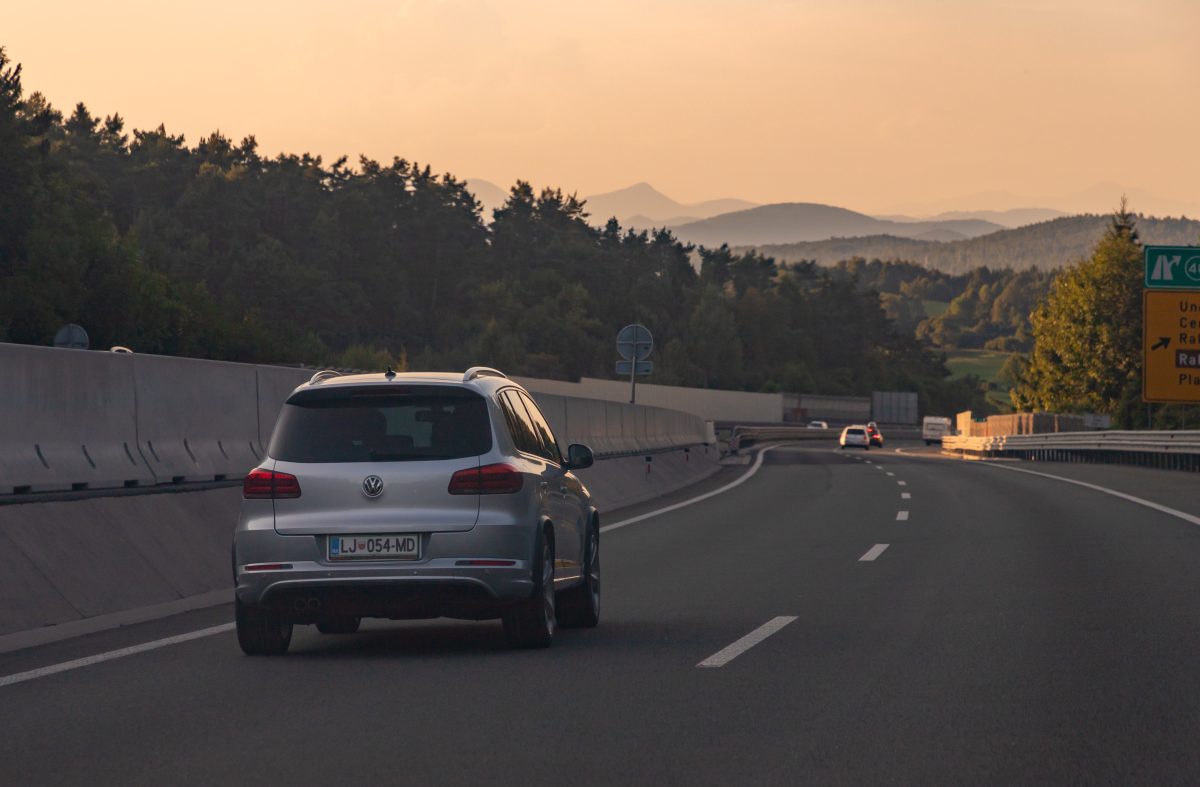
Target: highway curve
[1015, 629]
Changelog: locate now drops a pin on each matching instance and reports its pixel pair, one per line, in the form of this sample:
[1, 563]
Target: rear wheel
[531, 623]
[261, 632]
[339, 626]
[580, 606]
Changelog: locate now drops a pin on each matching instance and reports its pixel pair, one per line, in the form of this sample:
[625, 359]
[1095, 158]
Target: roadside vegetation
[213, 250]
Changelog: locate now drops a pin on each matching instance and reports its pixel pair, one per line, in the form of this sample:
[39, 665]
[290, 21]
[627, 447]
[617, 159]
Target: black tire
[261, 632]
[531, 623]
[339, 626]
[579, 607]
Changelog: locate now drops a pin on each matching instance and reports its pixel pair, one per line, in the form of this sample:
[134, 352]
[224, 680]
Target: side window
[549, 444]
[522, 429]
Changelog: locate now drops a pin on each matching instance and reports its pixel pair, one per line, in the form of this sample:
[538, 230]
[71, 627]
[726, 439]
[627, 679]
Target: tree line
[214, 250]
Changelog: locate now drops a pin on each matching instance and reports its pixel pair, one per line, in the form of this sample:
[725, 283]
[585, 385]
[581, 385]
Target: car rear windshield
[411, 424]
[858, 432]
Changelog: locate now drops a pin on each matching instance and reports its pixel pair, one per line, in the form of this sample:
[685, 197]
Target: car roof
[486, 381]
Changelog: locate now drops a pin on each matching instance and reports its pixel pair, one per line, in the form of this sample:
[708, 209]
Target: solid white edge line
[737, 648]
[901, 516]
[1186, 517]
[99, 658]
[873, 553]
[87, 661]
[758, 460]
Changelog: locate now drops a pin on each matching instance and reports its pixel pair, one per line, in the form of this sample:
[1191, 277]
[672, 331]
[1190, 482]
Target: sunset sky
[876, 105]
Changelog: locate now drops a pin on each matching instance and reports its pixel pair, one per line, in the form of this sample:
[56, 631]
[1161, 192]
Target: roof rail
[482, 371]
[324, 374]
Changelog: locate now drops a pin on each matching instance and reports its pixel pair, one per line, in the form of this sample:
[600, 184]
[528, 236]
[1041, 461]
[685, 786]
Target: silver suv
[409, 496]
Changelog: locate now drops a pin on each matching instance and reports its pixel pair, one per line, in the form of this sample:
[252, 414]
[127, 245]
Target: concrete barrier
[615, 429]
[67, 421]
[70, 560]
[75, 419]
[73, 567]
[197, 420]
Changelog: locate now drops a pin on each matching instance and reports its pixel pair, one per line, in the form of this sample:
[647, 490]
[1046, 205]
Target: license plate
[380, 547]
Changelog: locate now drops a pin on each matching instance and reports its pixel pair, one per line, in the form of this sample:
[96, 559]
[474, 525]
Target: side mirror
[579, 456]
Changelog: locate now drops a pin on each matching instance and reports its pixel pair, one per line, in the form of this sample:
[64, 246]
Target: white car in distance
[856, 436]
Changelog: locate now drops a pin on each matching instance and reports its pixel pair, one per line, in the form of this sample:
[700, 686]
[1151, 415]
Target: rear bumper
[436, 585]
[309, 594]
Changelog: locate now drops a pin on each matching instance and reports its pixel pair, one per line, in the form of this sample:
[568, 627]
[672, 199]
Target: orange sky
[876, 105]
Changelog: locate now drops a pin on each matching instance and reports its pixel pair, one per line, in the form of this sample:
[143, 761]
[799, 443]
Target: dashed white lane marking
[893, 475]
[53, 669]
[901, 516]
[902, 483]
[87, 661]
[873, 553]
[732, 651]
[758, 460]
[905, 496]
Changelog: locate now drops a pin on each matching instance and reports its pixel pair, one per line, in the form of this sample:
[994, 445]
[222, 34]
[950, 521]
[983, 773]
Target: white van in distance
[934, 428]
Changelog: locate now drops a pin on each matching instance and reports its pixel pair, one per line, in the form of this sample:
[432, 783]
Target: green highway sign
[1172, 267]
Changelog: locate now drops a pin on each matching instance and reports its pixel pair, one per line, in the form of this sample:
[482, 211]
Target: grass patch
[984, 364]
[934, 308]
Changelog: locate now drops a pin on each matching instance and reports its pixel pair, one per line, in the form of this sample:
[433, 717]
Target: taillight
[270, 485]
[499, 479]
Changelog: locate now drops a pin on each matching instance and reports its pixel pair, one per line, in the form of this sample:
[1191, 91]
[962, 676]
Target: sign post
[1171, 325]
[634, 343]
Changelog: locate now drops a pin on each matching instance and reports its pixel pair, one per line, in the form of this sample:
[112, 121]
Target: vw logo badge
[372, 486]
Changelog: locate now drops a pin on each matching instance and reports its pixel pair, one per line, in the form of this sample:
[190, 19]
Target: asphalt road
[1015, 629]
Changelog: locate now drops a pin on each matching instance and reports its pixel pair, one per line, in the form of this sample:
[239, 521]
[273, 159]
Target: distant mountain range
[792, 222]
[1017, 217]
[1047, 245]
[954, 240]
[639, 206]
[643, 206]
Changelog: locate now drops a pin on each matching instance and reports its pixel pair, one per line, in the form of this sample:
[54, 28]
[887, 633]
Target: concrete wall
[70, 561]
[67, 423]
[615, 429]
[75, 419]
[709, 405]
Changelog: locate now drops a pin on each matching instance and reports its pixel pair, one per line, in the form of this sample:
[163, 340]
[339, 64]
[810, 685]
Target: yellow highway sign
[1170, 346]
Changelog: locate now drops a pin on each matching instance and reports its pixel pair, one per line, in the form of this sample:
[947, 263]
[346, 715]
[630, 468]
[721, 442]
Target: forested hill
[1048, 245]
[212, 250]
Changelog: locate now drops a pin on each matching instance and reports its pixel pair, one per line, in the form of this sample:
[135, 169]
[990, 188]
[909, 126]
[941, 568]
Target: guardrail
[1176, 450]
[746, 436]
